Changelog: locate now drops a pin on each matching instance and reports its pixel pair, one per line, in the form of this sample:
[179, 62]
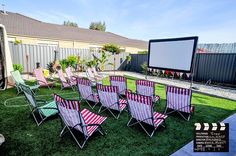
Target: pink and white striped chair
[147, 88]
[109, 99]
[71, 76]
[42, 80]
[92, 77]
[86, 92]
[64, 82]
[120, 82]
[141, 109]
[83, 121]
[101, 75]
[179, 100]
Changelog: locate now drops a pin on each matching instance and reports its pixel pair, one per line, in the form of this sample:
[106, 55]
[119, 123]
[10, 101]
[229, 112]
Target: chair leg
[63, 131]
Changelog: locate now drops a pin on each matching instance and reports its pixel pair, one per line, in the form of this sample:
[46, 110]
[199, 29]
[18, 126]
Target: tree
[114, 49]
[98, 26]
[69, 23]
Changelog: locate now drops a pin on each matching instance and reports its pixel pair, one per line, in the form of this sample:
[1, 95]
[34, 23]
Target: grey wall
[45, 54]
[219, 67]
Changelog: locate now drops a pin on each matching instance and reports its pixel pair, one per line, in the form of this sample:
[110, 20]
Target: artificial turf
[24, 137]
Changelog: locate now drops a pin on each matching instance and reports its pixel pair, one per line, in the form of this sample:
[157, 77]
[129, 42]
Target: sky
[214, 21]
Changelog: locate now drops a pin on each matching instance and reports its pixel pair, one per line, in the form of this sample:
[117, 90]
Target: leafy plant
[144, 67]
[64, 64]
[103, 60]
[18, 67]
[128, 58]
[112, 48]
[92, 63]
[72, 60]
[142, 52]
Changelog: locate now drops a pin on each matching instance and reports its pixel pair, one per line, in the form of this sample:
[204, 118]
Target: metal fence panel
[45, 54]
[217, 67]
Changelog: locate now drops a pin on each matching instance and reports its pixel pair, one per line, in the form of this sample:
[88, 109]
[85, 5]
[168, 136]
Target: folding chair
[43, 108]
[19, 80]
[98, 74]
[86, 92]
[109, 98]
[141, 109]
[93, 78]
[147, 88]
[179, 100]
[64, 82]
[71, 76]
[83, 121]
[42, 80]
[120, 82]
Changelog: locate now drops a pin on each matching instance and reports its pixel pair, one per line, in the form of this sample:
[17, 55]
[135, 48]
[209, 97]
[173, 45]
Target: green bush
[18, 67]
[64, 64]
[69, 61]
[72, 60]
[112, 48]
[142, 52]
[144, 67]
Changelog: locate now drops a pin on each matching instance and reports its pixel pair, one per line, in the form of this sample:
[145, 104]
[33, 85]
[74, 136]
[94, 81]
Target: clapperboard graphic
[211, 137]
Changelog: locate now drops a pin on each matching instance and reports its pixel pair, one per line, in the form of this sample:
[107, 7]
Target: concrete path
[187, 150]
[210, 90]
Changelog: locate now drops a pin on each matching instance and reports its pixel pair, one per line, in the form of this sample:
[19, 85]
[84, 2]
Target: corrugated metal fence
[45, 54]
[218, 67]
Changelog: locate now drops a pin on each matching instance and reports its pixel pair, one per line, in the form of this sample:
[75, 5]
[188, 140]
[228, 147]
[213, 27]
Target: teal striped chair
[40, 109]
[19, 80]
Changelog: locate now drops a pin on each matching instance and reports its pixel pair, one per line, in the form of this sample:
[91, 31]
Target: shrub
[144, 67]
[18, 67]
[64, 64]
[142, 52]
[112, 48]
[72, 60]
[128, 58]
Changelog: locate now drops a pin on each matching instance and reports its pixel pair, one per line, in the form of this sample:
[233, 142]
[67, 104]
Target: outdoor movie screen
[172, 54]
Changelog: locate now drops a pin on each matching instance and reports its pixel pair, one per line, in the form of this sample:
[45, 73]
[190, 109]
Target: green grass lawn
[24, 137]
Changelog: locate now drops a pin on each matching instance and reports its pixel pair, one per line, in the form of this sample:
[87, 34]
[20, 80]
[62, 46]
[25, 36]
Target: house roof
[17, 24]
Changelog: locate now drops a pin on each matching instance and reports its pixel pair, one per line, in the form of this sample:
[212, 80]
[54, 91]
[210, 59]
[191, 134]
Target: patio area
[23, 136]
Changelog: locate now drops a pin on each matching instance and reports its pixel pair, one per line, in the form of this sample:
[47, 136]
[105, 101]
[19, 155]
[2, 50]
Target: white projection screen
[174, 54]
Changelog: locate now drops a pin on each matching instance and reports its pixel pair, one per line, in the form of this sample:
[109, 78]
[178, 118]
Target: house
[27, 30]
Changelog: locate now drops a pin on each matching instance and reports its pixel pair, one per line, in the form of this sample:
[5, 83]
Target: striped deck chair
[141, 109]
[64, 82]
[83, 121]
[19, 80]
[147, 88]
[40, 109]
[42, 80]
[109, 99]
[120, 82]
[93, 78]
[71, 76]
[98, 74]
[178, 100]
[86, 92]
